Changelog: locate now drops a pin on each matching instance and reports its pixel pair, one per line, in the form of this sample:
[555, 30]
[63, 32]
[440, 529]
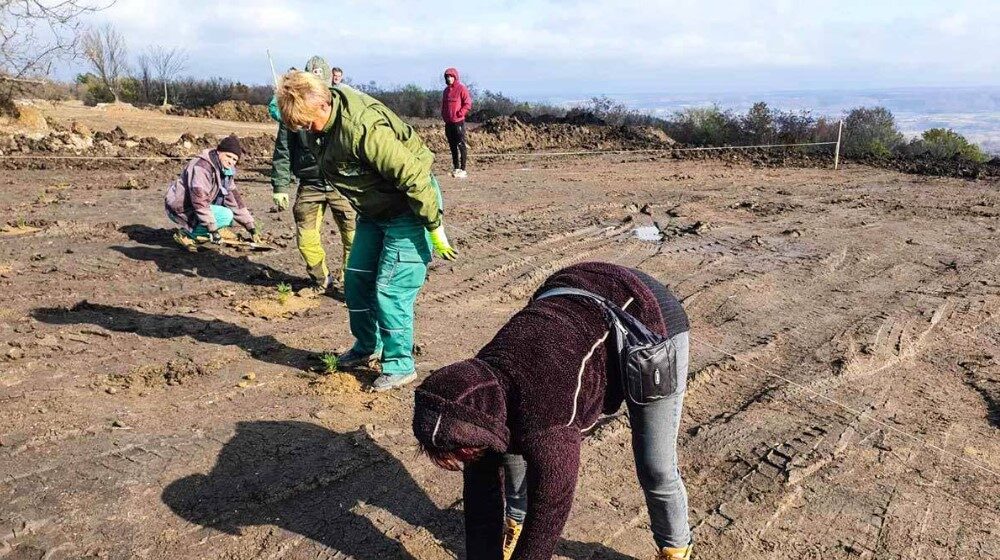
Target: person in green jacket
[293, 157]
[383, 168]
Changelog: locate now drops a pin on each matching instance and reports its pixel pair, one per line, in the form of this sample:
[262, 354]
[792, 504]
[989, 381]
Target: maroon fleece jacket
[543, 380]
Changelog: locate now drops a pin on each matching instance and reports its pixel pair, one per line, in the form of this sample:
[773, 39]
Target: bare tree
[167, 63]
[36, 33]
[104, 47]
[144, 68]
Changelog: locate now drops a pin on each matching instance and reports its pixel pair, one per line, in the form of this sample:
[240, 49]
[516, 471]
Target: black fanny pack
[647, 361]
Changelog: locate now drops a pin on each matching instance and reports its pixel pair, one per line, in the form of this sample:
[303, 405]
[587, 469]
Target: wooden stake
[836, 151]
[274, 75]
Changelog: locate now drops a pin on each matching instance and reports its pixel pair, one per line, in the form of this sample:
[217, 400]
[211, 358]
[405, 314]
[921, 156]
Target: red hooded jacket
[456, 101]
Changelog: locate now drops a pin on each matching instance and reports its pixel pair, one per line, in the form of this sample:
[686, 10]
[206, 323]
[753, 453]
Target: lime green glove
[280, 200]
[441, 246]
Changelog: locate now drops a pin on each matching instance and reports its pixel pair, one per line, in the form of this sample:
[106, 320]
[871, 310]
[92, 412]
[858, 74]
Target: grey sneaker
[352, 359]
[387, 382]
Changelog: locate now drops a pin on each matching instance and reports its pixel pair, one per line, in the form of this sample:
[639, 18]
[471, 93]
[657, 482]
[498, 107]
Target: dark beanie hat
[231, 144]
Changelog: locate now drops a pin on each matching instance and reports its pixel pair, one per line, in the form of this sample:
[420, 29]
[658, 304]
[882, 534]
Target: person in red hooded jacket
[455, 106]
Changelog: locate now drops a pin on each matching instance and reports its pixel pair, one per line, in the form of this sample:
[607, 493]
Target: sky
[541, 48]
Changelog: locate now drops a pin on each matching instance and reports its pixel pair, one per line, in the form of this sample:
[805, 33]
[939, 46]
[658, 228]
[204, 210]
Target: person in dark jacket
[203, 200]
[456, 102]
[513, 417]
[293, 158]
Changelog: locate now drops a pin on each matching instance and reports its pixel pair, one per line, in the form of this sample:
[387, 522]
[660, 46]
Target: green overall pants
[386, 268]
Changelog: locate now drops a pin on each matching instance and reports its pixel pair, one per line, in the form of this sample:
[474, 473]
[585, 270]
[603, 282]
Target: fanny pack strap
[621, 319]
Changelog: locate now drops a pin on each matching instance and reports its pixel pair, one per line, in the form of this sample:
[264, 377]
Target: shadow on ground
[170, 258]
[212, 331]
[320, 484]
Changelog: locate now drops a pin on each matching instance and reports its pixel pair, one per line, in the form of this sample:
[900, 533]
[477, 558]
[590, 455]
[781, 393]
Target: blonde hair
[300, 97]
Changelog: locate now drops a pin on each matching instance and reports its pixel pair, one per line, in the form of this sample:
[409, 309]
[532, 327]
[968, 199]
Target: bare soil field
[844, 398]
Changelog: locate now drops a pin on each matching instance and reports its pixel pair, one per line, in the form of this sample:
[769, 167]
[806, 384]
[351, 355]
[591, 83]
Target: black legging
[456, 141]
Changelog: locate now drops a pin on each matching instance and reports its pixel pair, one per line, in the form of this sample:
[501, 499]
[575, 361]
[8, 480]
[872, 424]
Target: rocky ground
[844, 396]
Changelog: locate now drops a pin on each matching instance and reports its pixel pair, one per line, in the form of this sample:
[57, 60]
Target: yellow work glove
[255, 236]
[280, 200]
[441, 246]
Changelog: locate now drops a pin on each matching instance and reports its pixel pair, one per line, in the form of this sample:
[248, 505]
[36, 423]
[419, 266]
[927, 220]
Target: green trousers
[385, 271]
[310, 206]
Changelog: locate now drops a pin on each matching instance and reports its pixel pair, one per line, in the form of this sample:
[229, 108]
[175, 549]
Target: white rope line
[476, 156]
[852, 410]
[650, 150]
[127, 158]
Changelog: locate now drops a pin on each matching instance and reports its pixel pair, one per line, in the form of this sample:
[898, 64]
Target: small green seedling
[284, 291]
[330, 362]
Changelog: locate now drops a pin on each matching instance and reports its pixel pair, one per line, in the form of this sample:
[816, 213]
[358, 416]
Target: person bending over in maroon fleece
[513, 417]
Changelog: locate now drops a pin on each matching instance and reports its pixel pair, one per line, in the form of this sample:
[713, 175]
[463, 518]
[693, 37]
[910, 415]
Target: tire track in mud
[808, 461]
[773, 461]
[517, 277]
[481, 280]
[787, 458]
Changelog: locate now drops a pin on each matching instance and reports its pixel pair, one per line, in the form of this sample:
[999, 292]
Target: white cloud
[404, 41]
[956, 24]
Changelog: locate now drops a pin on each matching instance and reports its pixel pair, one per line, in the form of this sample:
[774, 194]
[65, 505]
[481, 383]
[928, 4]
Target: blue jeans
[654, 446]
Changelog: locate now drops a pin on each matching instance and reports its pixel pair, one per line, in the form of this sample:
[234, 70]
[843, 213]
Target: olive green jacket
[293, 157]
[376, 160]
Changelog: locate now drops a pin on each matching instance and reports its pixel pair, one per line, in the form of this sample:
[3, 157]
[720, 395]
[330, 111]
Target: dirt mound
[761, 157]
[173, 372]
[272, 308]
[513, 134]
[503, 135]
[576, 116]
[31, 118]
[926, 165]
[28, 120]
[239, 111]
[81, 129]
[105, 146]
[117, 107]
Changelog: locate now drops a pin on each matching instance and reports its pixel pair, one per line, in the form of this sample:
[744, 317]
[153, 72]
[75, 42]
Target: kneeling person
[514, 416]
[203, 200]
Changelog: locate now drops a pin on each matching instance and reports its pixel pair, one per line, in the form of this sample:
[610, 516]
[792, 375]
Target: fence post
[836, 151]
